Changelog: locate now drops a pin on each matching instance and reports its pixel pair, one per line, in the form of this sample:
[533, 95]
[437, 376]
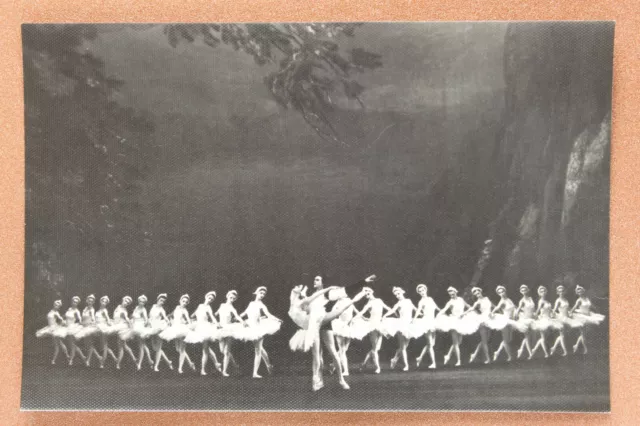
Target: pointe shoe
[377, 370]
[495, 356]
[118, 366]
[170, 366]
[575, 348]
[565, 353]
[224, 374]
[584, 352]
[257, 376]
[218, 367]
[418, 361]
[203, 373]
[432, 366]
[192, 366]
[317, 385]
[509, 359]
[393, 363]
[269, 368]
[519, 354]
[179, 370]
[446, 359]
[406, 368]
[71, 361]
[87, 363]
[138, 367]
[101, 365]
[344, 385]
[156, 369]
[458, 364]
[553, 350]
[487, 361]
[53, 363]
[472, 358]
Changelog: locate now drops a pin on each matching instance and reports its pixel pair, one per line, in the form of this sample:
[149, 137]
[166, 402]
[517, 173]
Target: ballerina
[426, 324]
[159, 322]
[308, 312]
[342, 328]
[89, 329]
[561, 312]
[401, 326]
[73, 320]
[454, 324]
[260, 322]
[582, 313]
[56, 329]
[483, 305]
[206, 331]
[178, 330]
[543, 322]
[103, 322]
[508, 308]
[372, 327]
[230, 330]
[525, 313]
[142, 331]
[125, 333]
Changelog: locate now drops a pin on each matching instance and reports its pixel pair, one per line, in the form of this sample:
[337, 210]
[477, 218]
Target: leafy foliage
[84, 152]
[310, 68]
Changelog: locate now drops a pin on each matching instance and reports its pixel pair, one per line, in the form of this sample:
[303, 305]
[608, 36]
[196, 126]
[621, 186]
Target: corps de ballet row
[327, 320]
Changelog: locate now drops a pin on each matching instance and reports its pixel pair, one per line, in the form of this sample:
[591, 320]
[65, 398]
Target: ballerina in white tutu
[122, 325]
[142, 330]
[543, 322]
[582, 313]
[230, 330]
[341, 326]
[401, 326]
[424, 323]
[525, 314]
[260, 323]
[73, 320]
[371, 326]
[561, 311]
[480, 312]
[206, 330]
[178, 330]
[506, 310]
[89, 330]
[309, 313]
[159, 322]
[56, 329]
[453, 323]
[106, 328]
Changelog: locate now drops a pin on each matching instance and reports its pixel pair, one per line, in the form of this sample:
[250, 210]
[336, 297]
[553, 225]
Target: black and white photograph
[333, 216]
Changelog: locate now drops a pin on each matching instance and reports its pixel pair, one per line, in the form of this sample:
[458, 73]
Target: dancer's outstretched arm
[268, 314]
[305, 302]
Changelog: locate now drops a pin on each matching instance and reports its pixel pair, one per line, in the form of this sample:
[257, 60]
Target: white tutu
[73, 329]
[55, 331]
[142, 331]
[87, 331]
[361, 327]
[203, 331]
[570, 322]
[342, 328]
[466, 325]
[175, 331]
[496, 321]
[124, 331]
[303, 340]
[299, 317]
[546, 323]
[587, 319]
[421, 326]
[234, 330]
[256, 331]
[523, 324]
[393, 326]
[106, 329]
[157, 326]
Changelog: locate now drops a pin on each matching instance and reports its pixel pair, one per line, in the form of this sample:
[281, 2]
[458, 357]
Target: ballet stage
[575, 383]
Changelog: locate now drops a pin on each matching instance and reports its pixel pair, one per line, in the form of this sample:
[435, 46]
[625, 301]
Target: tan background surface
[625, 177]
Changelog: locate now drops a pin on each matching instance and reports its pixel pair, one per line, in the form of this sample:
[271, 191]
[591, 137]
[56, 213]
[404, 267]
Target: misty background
[187, 176]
